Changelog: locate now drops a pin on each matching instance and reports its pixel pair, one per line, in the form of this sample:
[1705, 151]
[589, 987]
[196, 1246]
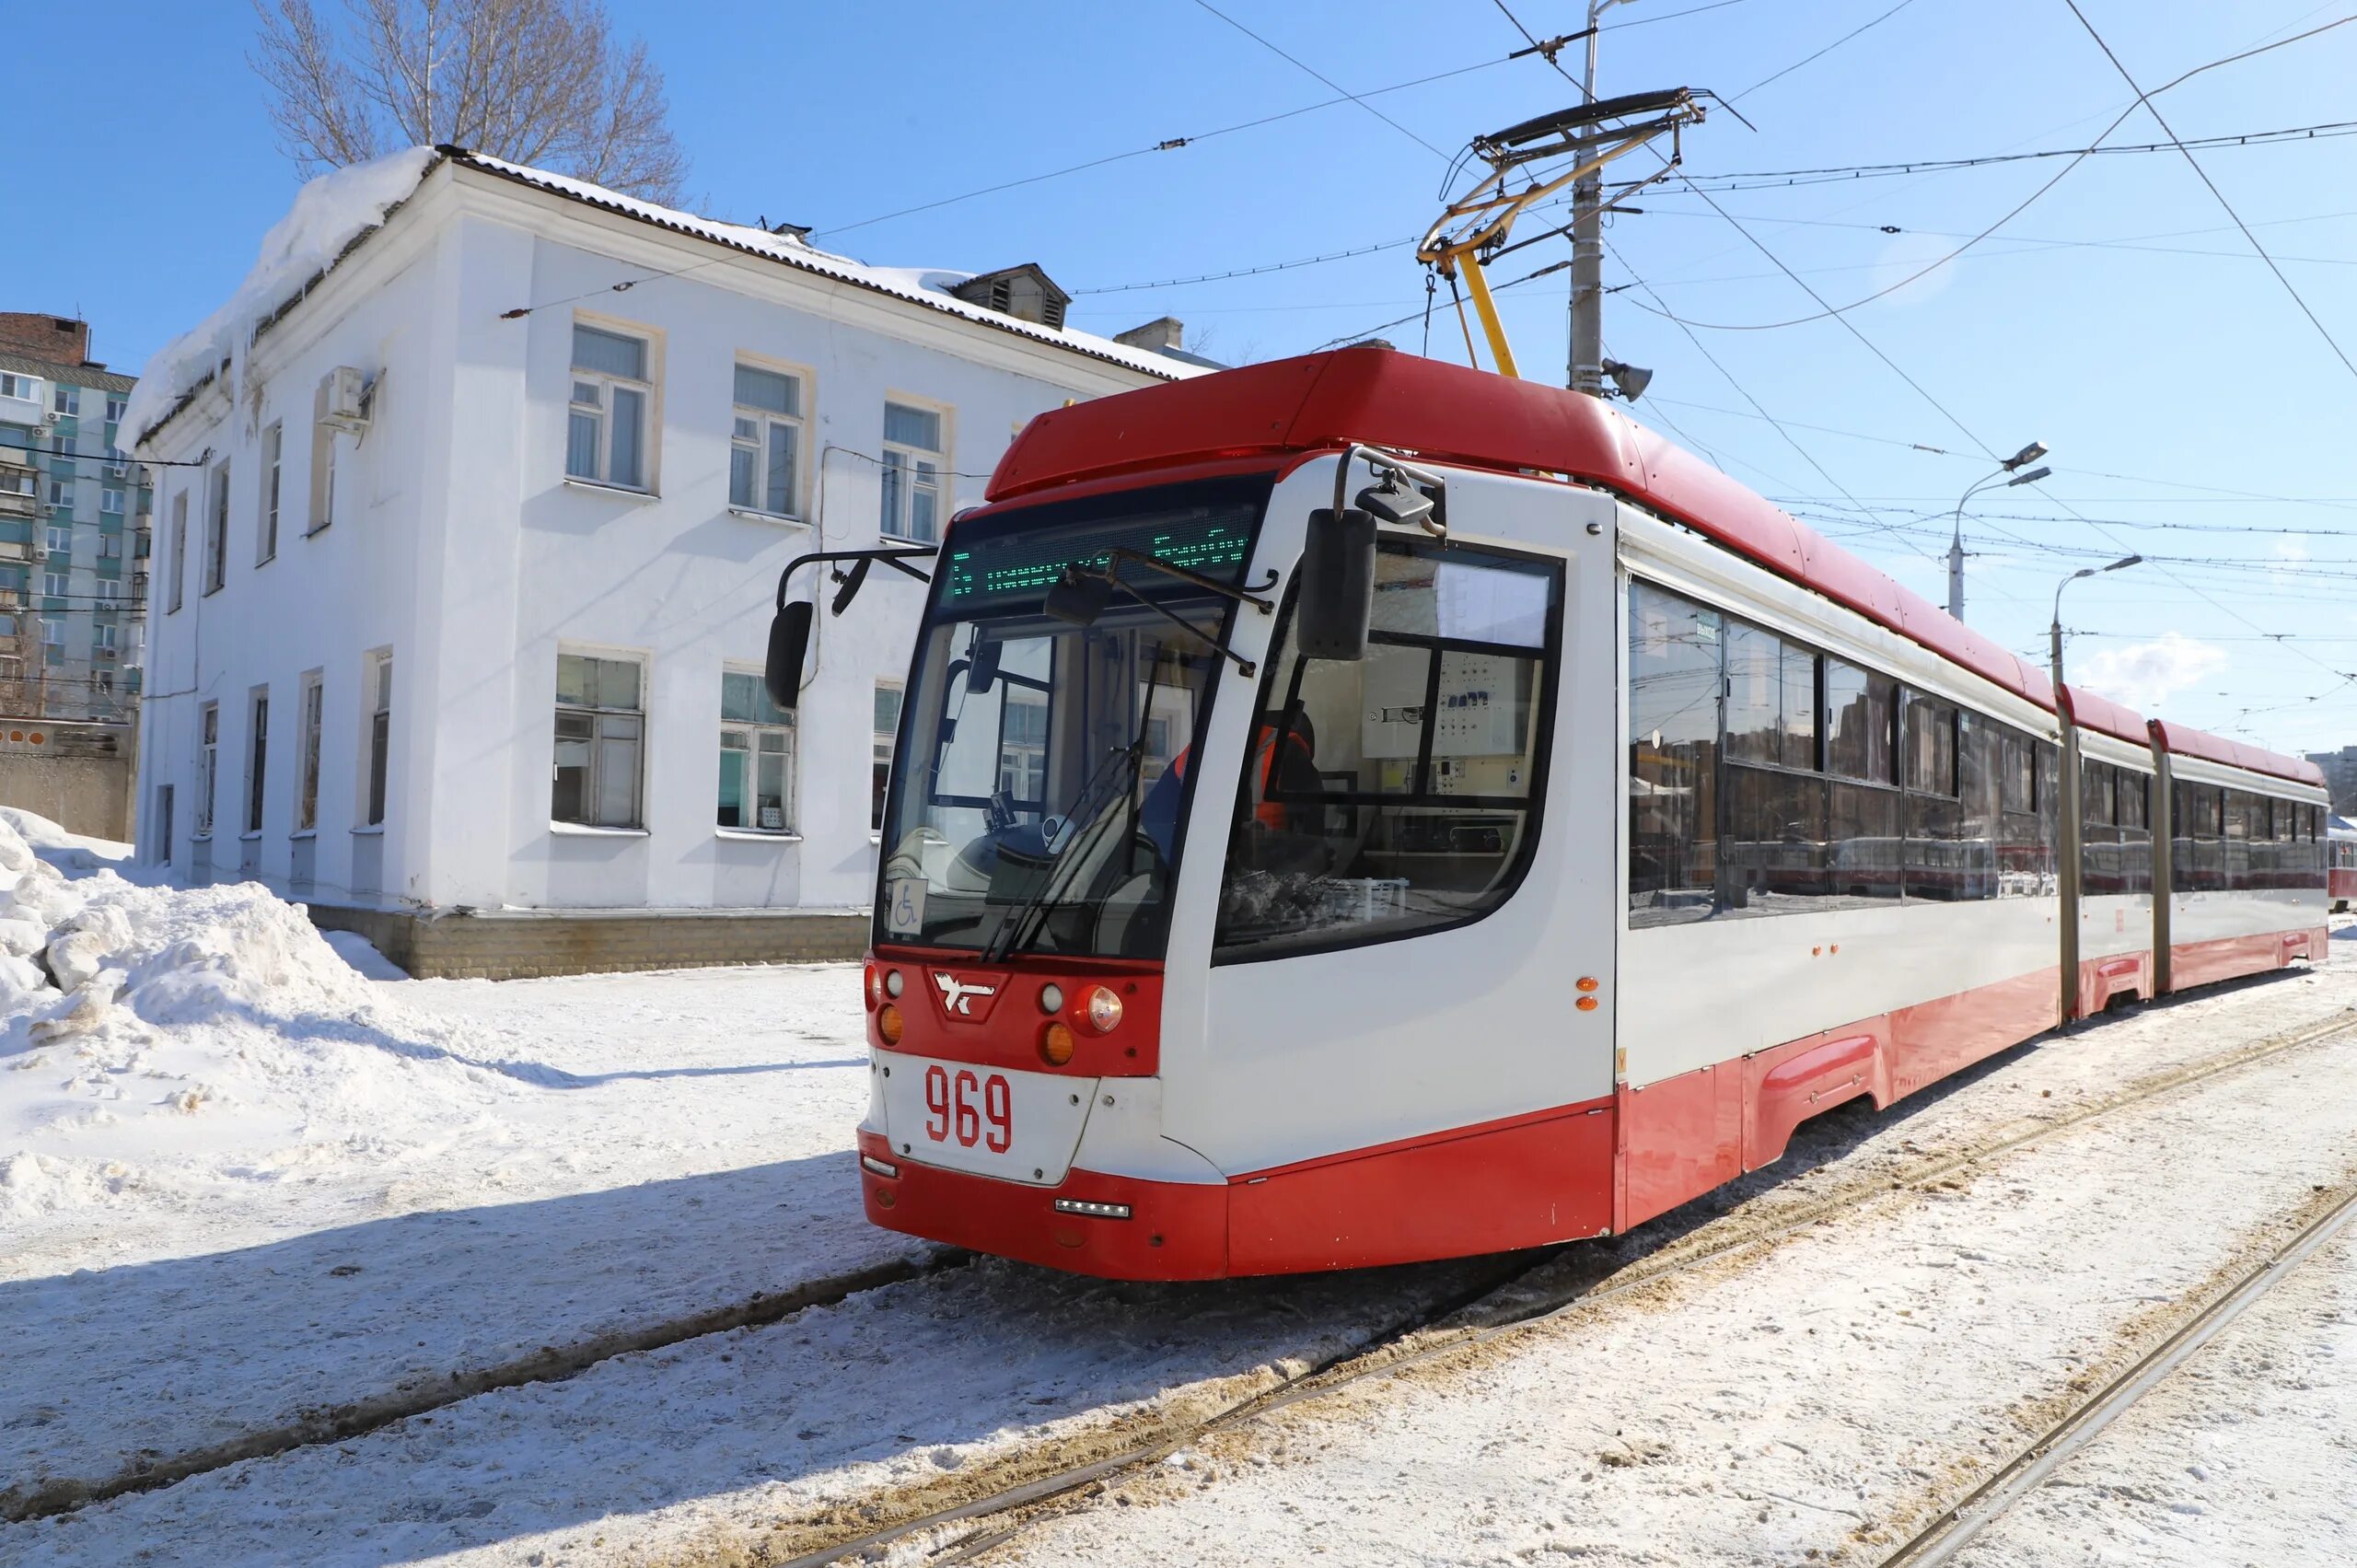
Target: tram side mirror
[851, 581]
[1398, 503]
[1337, 598]
[789, 640]
[1078, 596]
[981, 668]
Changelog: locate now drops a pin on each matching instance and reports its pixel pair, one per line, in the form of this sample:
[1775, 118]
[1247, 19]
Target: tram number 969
[974, 1111]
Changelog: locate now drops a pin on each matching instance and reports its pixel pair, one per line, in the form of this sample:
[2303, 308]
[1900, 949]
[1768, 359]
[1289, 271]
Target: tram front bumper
[1173, 1230]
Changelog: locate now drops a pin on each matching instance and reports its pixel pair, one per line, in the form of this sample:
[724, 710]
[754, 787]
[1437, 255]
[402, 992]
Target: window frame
[376, 785]
[1546, 695]
[885, 754]
[559, 708]
[798, 422]
[274, 450]
[649, 414]
[895, 526]
[208, 768]
[310, 712]
[216, 528]
[788, 801]
[257, 758]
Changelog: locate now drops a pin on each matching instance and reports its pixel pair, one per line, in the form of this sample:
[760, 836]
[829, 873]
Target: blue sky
[2120, 318]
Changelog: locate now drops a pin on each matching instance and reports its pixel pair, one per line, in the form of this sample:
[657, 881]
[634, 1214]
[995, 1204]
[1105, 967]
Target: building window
[216, 528]
[887, 725]
[102, 640]
[14, 386]
[53, 583]
[912, 464]
[307, 784]
[59, 540]
[756, 756]
[323, 463]
[764, 453]
[110, 591]
[111, 502]
[379, 692]
[16, 482]
[272, 440]
[208, 747]
[605, 430]
[52, 634]
[67, 400]
[179, 547]
[257, 755]
[110, 547]
[601, 732]
[115, 407]
[164, 824]
[60, 493]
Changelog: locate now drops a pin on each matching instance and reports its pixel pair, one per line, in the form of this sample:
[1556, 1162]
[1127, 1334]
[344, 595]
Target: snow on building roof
[332, 213]
[929, 287]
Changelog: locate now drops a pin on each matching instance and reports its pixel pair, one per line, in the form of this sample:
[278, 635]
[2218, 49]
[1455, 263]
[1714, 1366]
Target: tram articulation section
[1357, 809]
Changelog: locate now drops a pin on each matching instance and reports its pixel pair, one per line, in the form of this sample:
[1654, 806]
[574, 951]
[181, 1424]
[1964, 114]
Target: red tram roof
[1450, 413]
[2184, 740]
[2090, 710]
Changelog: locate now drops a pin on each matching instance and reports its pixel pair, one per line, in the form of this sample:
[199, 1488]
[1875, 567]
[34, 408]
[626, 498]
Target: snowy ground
[251, 1185]
[1785, 1399]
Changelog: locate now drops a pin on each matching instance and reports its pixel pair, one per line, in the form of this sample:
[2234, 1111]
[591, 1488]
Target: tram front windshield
[1042, 765]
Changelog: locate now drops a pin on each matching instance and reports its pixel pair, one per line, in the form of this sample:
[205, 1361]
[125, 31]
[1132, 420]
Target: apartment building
[73, 527]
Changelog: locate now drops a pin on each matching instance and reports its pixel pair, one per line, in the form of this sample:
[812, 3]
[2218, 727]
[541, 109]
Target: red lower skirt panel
[2122, 974]
[2203, 963]
[1503, 1186]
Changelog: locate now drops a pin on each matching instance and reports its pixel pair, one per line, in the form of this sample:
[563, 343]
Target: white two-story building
[469, 515]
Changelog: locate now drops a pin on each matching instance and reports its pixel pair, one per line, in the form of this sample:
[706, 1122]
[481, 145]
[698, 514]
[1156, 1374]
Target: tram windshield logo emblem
[957, 994]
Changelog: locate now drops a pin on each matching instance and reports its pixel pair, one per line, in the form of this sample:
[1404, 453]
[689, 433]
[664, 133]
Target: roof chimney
[1158, 335]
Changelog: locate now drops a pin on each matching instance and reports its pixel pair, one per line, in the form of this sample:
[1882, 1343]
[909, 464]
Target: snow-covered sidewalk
[242, 1186]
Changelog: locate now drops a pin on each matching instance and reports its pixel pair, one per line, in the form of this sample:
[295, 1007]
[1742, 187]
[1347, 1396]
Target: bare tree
[540, 82]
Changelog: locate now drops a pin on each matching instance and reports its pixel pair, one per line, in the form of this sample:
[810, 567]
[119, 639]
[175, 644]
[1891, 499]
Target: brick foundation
[516, 946]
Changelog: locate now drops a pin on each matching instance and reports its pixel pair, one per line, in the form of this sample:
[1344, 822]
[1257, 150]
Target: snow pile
[328, 214]
[61, 847]
[174, 1038]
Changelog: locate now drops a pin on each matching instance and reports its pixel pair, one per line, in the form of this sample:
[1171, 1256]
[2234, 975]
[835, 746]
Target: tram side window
[2198, 848]
[1940, 862]
[1398, 794]
[1775, 844]
[2131, 794]
[2024, 863]
[1673, 697]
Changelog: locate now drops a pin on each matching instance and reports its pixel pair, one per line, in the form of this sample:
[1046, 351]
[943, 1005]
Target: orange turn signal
[1586, 1004]
[1586, 982]
[887, 1023]
[1055, 1044]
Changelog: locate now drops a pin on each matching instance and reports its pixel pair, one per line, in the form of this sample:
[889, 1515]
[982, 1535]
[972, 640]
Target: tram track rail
[1962, 1523]
[1551, 1290]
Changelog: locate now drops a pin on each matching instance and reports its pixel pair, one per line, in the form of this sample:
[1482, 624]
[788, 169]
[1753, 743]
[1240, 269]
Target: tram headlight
[1104, 1009]
[888, 1024]
[1056, 1044]
[1052, 999]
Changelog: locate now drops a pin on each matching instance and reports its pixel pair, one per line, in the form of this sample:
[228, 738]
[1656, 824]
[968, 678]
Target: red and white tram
[2341, 862]
[1357, 809]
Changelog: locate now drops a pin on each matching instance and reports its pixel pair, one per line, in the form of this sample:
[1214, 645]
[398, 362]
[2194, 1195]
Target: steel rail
[1961, 1524]
[1388, 1352]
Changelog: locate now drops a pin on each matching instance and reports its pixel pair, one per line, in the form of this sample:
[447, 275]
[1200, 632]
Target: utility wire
[1822, 52]
[1361, 100]
[1839, 313]
[2144, 99]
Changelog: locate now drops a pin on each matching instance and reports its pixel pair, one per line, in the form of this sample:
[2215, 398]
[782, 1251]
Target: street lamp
[2055, 633]
[2028, 454]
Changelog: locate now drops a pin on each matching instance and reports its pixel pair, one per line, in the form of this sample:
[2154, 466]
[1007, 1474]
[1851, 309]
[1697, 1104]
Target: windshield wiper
[1011, 931]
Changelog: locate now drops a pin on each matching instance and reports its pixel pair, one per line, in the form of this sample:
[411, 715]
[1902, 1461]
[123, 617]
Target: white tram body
[1648, 826]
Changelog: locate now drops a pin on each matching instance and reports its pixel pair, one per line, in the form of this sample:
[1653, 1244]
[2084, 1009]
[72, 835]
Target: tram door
[1413, 940]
